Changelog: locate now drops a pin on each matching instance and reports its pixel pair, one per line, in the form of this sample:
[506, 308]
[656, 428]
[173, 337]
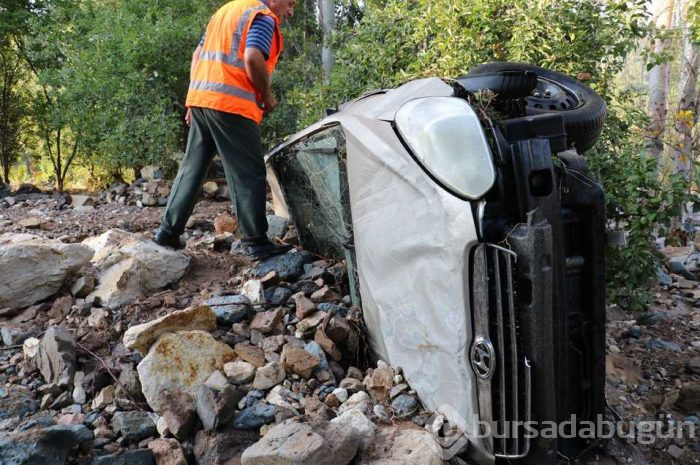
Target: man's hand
[188, 117]
[269, 102]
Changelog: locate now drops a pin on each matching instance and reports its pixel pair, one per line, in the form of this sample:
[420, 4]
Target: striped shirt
[259, 34]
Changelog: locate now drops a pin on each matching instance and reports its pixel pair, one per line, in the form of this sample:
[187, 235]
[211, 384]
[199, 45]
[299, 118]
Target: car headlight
[446, 137]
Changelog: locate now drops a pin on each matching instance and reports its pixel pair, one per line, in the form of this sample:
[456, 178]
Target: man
[228, 95]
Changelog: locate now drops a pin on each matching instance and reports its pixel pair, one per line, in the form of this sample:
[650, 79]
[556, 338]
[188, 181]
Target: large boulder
[402, 446]
[130, 267]
[48, 446]
[141, 337]
[36, 268]
[292, 443]
[182, 360]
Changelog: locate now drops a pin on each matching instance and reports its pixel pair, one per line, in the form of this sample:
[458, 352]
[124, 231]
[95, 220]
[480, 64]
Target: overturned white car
[476, 239]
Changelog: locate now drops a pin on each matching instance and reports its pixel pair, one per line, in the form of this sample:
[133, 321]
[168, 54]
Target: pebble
[404, 406]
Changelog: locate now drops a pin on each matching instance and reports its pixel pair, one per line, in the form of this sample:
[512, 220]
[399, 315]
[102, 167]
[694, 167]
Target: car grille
[511, 381]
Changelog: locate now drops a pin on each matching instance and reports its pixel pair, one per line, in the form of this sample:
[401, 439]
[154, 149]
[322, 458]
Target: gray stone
[400, 446]
[255, 416]
[56, 358]
[292, 442]
[39, 268]
[132, 457]
[278, 295]
[130, 266]
[689, 398]
[215, 407]
[398, 390]
[151, 173]
[404, 406]
[352, 385]
[277, 226]
[288, 266]
[178, 412]
[47, 446]
[359, 400]
[269, 376]
[230, 309]
[693, 365]
[361, 427]
[16, 402]
[83, 286]
[133, 426]
[663, 344]
[222, 447]
[239, 372]
[253, 290]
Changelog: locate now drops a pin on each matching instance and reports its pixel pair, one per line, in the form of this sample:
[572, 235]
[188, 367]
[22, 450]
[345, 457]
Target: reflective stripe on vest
[231, 58]
[223, 89]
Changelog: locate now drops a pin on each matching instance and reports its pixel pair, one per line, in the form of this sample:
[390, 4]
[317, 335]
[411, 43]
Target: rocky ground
[125, 353]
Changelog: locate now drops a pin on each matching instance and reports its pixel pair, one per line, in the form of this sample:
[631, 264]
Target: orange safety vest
[219, 79]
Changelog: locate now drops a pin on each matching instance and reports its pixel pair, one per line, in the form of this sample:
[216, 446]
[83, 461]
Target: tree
[327, 17]
[13, 107]
[658, 81]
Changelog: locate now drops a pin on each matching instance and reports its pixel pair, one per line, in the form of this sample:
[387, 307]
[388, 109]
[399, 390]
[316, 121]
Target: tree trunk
[658, 83]
[327, 16]
[686, 116]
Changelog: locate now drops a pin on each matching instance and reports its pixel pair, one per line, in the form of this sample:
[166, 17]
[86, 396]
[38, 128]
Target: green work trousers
[237, 141]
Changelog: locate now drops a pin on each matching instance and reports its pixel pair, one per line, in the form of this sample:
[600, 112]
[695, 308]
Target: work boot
[166, 239]
[265, 249]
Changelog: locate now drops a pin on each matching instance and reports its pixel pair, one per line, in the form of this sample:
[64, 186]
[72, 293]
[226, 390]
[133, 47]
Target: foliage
[13, 107]
[637, 200]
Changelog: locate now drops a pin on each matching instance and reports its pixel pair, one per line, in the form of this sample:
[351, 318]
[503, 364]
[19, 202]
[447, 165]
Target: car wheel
[583, 109]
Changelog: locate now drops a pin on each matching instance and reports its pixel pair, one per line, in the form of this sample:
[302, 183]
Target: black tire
[583, 110]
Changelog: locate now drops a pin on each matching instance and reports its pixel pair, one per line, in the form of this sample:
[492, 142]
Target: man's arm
[256, 70]
[195, 59]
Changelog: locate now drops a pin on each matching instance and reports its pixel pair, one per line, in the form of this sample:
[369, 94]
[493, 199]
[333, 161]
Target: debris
[133, 457]
[167, 452]
[183, 360]
[215, 406]
[38, 267]
[299, 361]
[141, 337]
[689, 398]
[239, 372]
[250, 353]
[56, 357]
[288, 266]
[269, 376]
[225, 223]
[133, 426]
[178, 412]
[255, 416]
[47, 446]
[265, 322]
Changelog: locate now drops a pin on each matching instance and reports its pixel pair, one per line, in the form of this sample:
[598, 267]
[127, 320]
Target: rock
[288, 266]
[210, 188]
[674, 451]
[282, 397]
[177, 410]
[693, 365]
[225, 223]
[16, 402]
[230, 309]
[398, 390]
[327, 345]
[104, 398]
[39, 268]
[132, 457]
[359, 424]
[223, 447]
[277, 295]
[338, 329]
[341, 394]
[304, 306]
[663, 344]
[380, 382]
[63, 400]
[130, 266]
[98, 319]
[167, 452]
[404, 406]
[360, 401]
[141, 337]
[255, 416]
[254, 291]
[56, 357]
[31, 223]
[250, 353]
[183, 360]
[48, 446]
[401, 446]
[151, 173]
[355, 373]
[689, 398]
[265, 322]
[79, 394]
[269, 376]
[276, 226]
[299, 361]
[292, 442]
[83, 286]
[325, 294]
[352, 385]
[310, 322]
[81, 201]
[239, 372]
[12, 335]
[133, 426]
[30, 349]
[215, 407]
